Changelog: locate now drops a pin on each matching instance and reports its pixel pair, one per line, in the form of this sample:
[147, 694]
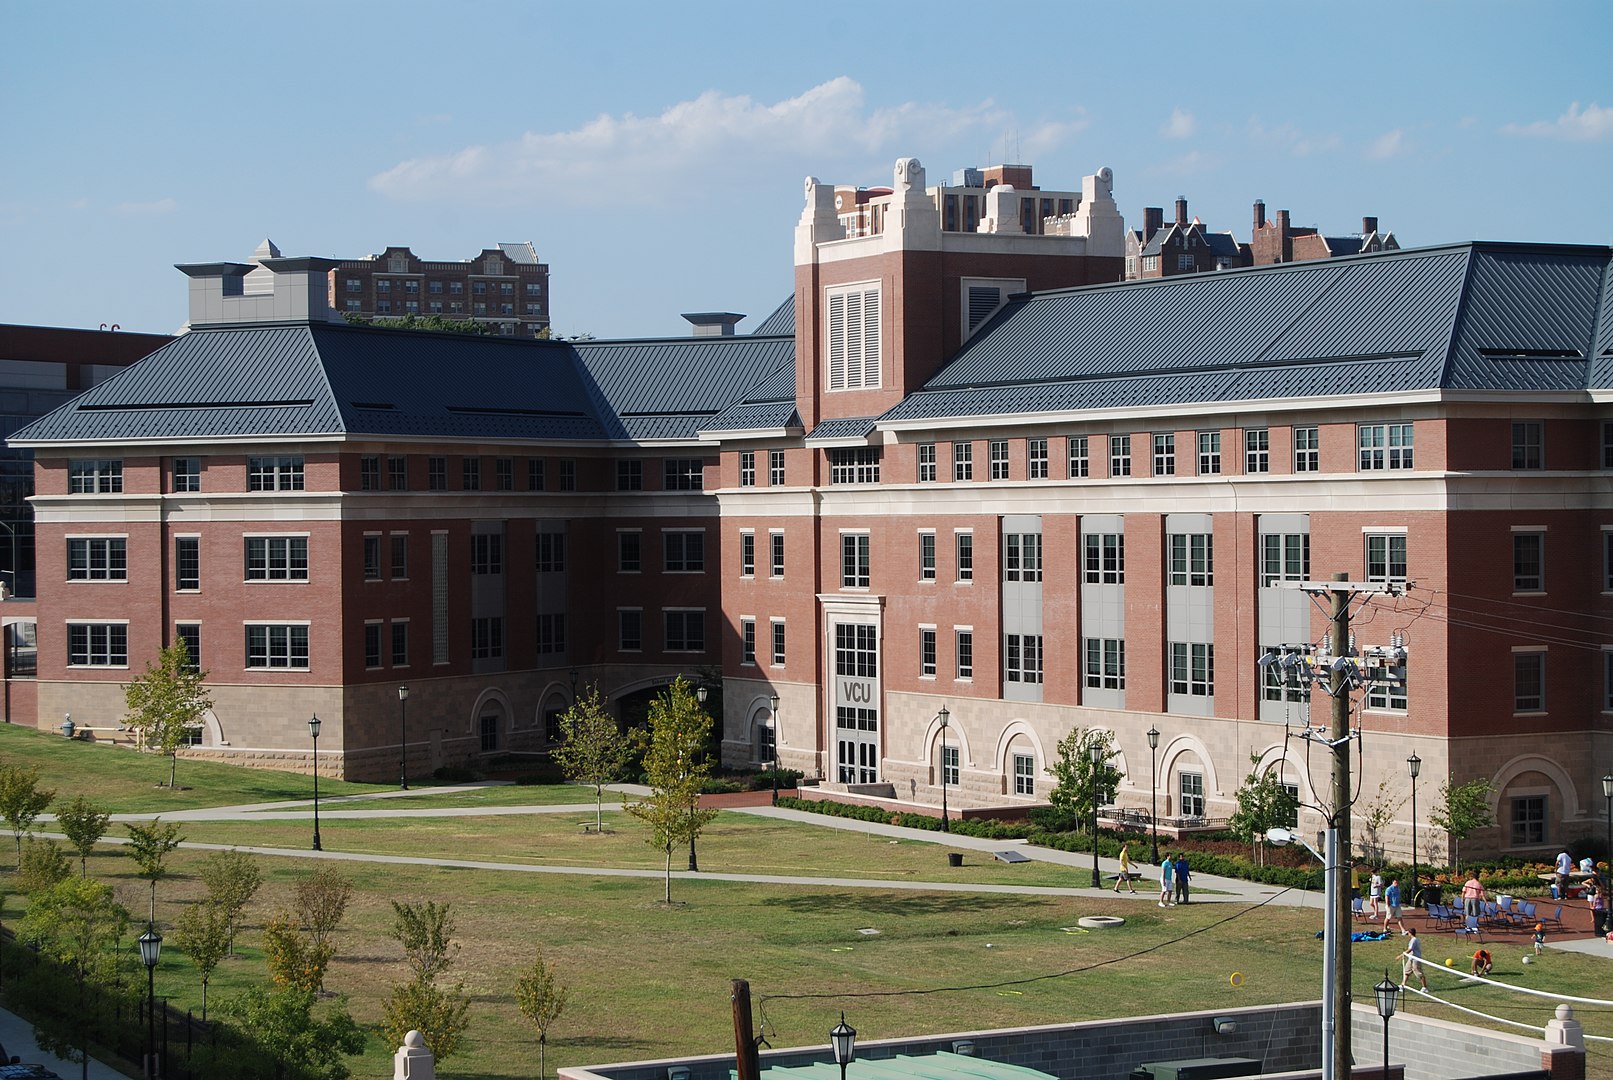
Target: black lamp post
[1096, 751]
[843, 1041]
[313, 729]
[700, 696]
[150, 951]
[1607, 794]
[1386, 991]
[1153, 782]
[773, 706]
[403, 738]
[942, 717]
[1414, 765]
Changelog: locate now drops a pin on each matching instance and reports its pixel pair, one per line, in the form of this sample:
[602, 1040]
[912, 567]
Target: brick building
[1182, 247]
[955, 470]
[505, 287]
[1276, 241]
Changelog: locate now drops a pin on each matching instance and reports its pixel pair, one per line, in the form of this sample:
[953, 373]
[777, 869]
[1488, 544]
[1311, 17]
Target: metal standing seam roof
[781, 323]
[694, 378]
[851, 427]
[748, 416]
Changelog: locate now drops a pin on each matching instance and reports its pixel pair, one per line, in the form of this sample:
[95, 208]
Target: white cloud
[1180, 125]
[1192, 163]
[1576, 125]
[145, 209]
[1291, 139]
[713, 136]
[1389, 144]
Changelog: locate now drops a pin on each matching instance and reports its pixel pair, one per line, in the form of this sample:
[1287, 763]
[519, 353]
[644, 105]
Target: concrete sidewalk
[17, 1036]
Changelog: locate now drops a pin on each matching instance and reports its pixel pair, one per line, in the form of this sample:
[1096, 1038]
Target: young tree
[77, 921]
[594, 749]
[232, 878]
[203, 934]
[1376, 817]
[426, 932]
[22, 800]
[295, 959]
[320, 902]
[675, 768]
[439, 1015]
[282, 1023]
[42, 866]
[167, 701]
[149, 845]
[1263, 803]
[1074, 771]
[1462, 810]
[541, 997]
[85, 824]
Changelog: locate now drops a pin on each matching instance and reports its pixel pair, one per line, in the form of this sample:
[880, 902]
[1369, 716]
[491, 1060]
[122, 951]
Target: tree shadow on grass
[904, 903]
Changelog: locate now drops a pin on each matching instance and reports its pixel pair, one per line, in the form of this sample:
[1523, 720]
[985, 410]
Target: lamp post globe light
[1414, 765]
[1153, 783]
[1385, 992]
[150, 951]
[1096, 751]
[941, 717]
[313, 730]
[403, 738]
[843, 1041]
[1607, 794]
[772, 705]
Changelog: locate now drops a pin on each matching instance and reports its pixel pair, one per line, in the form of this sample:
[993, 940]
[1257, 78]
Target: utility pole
[746, 1059]
[1339, 736]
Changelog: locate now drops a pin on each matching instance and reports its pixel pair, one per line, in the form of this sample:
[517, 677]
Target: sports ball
[1528, 959]
[1450, 962]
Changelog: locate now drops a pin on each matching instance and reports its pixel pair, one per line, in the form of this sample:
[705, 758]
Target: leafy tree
[149, 846]
[42, 866]
[426, 932]
[320, 902]
[232, 878]
[1074, 770]
[541, 997]
[440, 1015]
[1461, 811]
[675, 768]
[594, 749]
[77, 921]
[295, 959]
[283, 1024]
[167, 701]
[203, 933]
[1263, 803]
[424, 322]
[22, 800]
[85, 824]
[1376, 817]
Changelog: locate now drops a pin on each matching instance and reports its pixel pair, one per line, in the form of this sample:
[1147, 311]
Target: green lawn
[648, 980]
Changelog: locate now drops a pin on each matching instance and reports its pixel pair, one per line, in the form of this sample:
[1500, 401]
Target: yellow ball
[1449, 962]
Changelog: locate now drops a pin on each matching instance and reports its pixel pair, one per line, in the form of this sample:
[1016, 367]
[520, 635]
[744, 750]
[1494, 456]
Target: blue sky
[654, 153]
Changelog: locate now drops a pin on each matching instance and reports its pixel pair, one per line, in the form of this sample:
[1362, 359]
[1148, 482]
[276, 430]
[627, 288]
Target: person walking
[1125, 869]
[1166, 872]
[1565, 875]
[1412, 962]
[1374, 891]
[1473, 896]
[1181, 879]
[1597, 899]
[1391, 906]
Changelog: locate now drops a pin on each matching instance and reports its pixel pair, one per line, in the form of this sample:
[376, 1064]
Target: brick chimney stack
[1369, 225]
[1181, 209]
[1260, 213]
[1153, 221]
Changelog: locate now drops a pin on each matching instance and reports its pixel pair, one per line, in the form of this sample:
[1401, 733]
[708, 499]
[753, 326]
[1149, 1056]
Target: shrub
[454, 774]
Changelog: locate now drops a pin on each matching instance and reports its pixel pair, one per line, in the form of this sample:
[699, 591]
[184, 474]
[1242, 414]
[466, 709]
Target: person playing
[1391, 906]
[1125, 869]
[1565, 875]
[1374, 891]
[1472, 896]
[1597, 899]
[1181, 879]
[1482, 962]
[1412, 962]
[1540, 937]
[1166, 872]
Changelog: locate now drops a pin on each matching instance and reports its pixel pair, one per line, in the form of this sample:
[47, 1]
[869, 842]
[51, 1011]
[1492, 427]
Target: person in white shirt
[1565, 874]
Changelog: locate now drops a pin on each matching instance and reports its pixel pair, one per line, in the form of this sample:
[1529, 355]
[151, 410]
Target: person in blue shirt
[1181, 879]
[1391, 906]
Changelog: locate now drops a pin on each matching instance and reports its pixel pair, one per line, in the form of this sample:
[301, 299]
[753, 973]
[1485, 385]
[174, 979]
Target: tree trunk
[599, 810]
[173, 767]
[669, 872]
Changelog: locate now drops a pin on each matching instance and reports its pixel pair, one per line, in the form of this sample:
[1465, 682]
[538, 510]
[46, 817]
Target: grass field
[649, 980]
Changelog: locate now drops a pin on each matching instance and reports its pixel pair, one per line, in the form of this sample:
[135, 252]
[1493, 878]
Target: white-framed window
[400, 642]
[963, 543]
[1307, 449]
[372, 558]
[747, 554]
[1192, 559]
[1209, 452]
[97, 558]
[191, 635]
[1105, 558]
[857, 650]
[534, 474]
[276, 558]
[1528, 444]
[1120, 455]
[283, 472]
[854, 465]
[1190, 794]
[629, 551]
[1022, 557]
[187, 563]
[1528, 562]
[1024, 774]
[775, 468]
[963, 461]
[94, 476]
[1529, 681]
[1384, 446]
[1106, 663]
[1528, 820]
[372, 645]
[853, 336]
[926, 462]
[1387, 697]
[1036, 459]
[1281, 684]
[747, 468]
[630, 629]
[775, 541]
[855, 569]
[1080, 457]
[677, 474]
[926, 652]
[949, 765]
[277, 645]
[97, 645]
[487, 637]
[1284, 557]
[1193, 668]
[187, 474]
[963, 648]
[684, 551]
[630, 475]
[486, 553]
[551, 553]
[926, 556]
[997, 451]
[747, 641]
[1256, 450]
[778, 642]
[568, 476]
[1022, 658]
[1386, 556]
[1165, 454]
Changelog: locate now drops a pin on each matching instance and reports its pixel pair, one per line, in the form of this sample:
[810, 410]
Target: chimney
[1153, 221]
[1181, 209]
[1260, 213]
[712, 323]
[1282, 222]
[1369, 225]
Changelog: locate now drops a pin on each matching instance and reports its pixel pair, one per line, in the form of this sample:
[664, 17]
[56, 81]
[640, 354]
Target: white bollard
[413, 1061]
